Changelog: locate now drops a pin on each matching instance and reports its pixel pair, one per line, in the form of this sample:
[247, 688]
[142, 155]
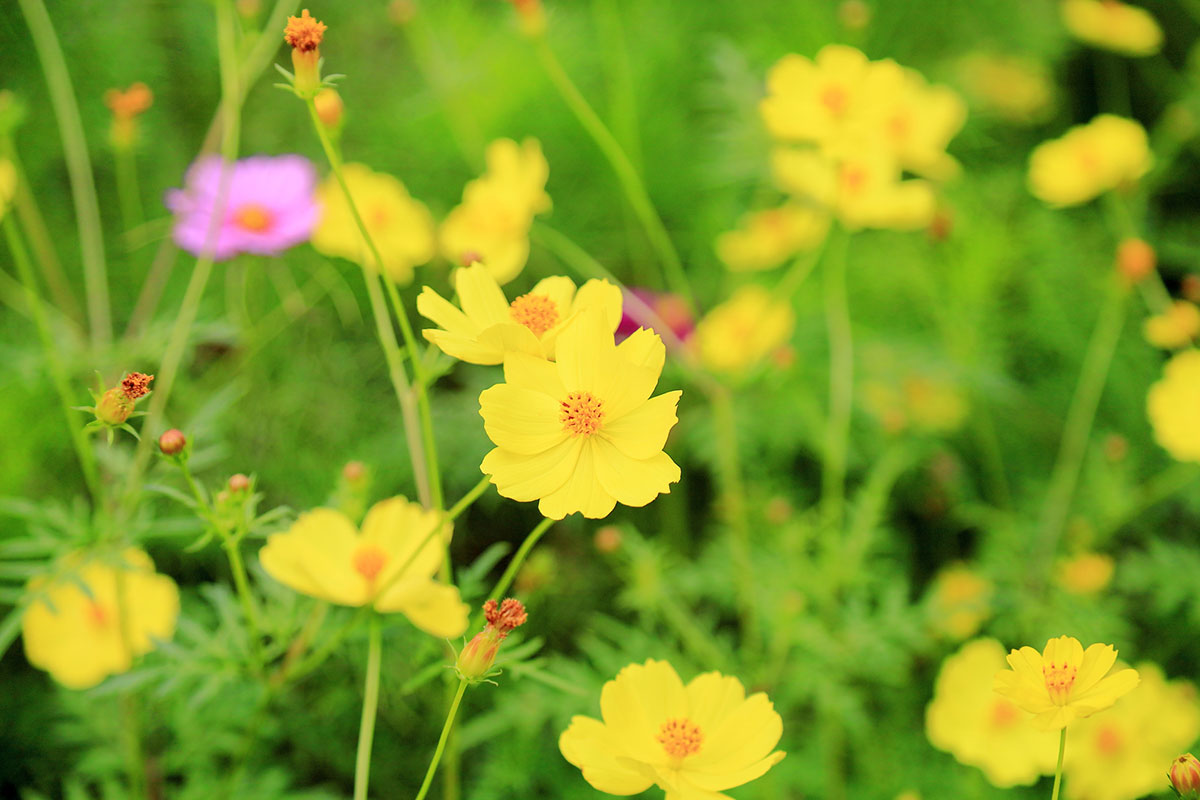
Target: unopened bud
[114, 407]
[126, 106]
[1135, 259]
[1189, 287]
[854, 15]
[608, 539]
[354, 471]
[172, 442]
[476, 659]
[1185, 776]
[329, 109]
[239, 483]
[531, 15]
[304, 33]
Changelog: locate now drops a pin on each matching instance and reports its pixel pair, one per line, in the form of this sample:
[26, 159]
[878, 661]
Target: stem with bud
[441, 745]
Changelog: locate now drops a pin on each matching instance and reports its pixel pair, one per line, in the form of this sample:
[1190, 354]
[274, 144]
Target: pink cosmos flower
[670, 309]
[270, 205]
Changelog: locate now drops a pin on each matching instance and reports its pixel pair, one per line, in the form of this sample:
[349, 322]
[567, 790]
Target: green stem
[518, 559]
[631, 183]
[50, 350]
[841, 386]
[469, 498]
[441, 745]
[135, 764]
[1078, 426]
[128, 194]
[79, 167]
[366, 728]
[1062, 748]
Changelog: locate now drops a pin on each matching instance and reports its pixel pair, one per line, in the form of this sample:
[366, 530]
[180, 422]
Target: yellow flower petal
[315, 557]
[529, 372]
[481, 297]
[642, 432]
[588, 745]
[526, 478]
[444, 314]
[636, 703]
[582, 492]
[402, 530]
[520, 420]
[632, 481]
[433, 607]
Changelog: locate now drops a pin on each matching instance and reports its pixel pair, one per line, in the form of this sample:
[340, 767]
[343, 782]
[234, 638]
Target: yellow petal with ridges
[402, 530]
[444, 314]
[521, 420]
[315, 557]
[526, 478]
[464, 348]
[632, 481]
[530, 372]
[581, 492]
[743, 738]
[642, 432]
[636, 704]
[588, 744]
[480, 295]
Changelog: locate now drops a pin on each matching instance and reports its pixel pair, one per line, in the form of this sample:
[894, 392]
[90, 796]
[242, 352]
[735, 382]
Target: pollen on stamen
[304, 33]
[136, 384]
[535, 311]
[1059, 680]
[680, 737]
[581, 414]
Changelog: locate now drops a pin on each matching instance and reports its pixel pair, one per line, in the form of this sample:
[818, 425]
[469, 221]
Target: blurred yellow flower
[765, 239]
[492, 223]
[488, 326]
[960, 600]
[742, 331]
[1064, 682]
[389, 565]
[691, 741]
[1174, 328]
[1107, 153]
[1086, 573]
[401, 227]
[1120, 755]
[980, 728]
[8, 185]
[80, 639]
[1172, 404]
[582, 433]
[916, 121]
[819, 101]
[1113, 25]
[924, 403]
[1017, 89]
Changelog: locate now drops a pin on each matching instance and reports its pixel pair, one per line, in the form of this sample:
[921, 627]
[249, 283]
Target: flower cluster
[1107, 153]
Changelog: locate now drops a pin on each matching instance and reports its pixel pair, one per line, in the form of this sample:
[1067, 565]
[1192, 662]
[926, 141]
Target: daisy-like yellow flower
[1174, 328]
[1119, 755]
[81, 637]
[915, 121]
[1063, 682]
[1017, 89]
[692, 741]
[487, 326]
[1113, 25]
[1107, 153]
[980, 728]
[491, 225]
[389, 565]
[765, 239]
[401, 227]
[1086, 573]
[1172, 404]
[960, 600]
[582, 433]
[739, 333]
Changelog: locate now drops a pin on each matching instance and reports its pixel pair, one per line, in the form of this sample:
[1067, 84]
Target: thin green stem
[627, 176]
[1078, 426]
[366, 728]
[79, 167]
[50, 351]
[441, 745]
[518, 559]
[128, 193]
[1062, 748]
[469, 498]
[841, 386]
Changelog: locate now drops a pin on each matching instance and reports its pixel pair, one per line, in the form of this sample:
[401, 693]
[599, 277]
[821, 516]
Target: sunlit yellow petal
[526, 478]
[587, 744]
[632, 481]
[521, 420]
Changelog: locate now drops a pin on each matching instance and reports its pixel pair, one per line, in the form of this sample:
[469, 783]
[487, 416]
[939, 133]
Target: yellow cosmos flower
[1086, 573]
[8, 184]
[1172, 404]
[915, 121]
[1017, 89]
[80, 637]
[1119, 755]
[980, 728]
[1113, 25]
[389, 565]
[959, 601]
[401, 227]
[1107, 153]
[819, 101]
[1174, 328]
[1064, 682]
[488, 326]
[742, 331]
[492, 223]
[692, 741]
[765, 239]
[582, 433]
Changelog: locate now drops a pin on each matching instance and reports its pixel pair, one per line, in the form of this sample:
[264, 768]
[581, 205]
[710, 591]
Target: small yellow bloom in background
[739, 333]
[582, 433]
[1174, 328]
[8, 185]
[389, 565]
[960, 600]
[1120, 755]
[765, 239]
[1064, 682]
[981, 729]
[401, 227]
[1107, 153]
[915, 121]
[1086, 573]
[691, 741]
[815, 100]
[80, 639]
[1113, 25]
[1172, 403]
[488, 326]
[1016, 89]
[492, 223]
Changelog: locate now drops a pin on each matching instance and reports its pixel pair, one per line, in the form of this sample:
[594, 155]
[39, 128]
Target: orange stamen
[680, 737]
[535, 311]
[581, 414]
[253, 217]
[304, 33]
[368, 561]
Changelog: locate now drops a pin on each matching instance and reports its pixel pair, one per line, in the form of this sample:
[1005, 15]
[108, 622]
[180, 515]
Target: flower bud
[304, 34]
[854, 15]
[329, 110]
[1185, 776]
[239, 483]
[114, 407]
[172, 442]
[126, 106]
[1135, 259]
[531, 15]
[476, 659]
[608, 539]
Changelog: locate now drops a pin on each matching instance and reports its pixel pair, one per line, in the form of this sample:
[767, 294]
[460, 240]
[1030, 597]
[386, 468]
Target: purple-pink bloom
[270, 205]
[669, 308]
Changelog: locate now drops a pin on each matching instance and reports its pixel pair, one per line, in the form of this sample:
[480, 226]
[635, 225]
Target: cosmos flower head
[269, 206]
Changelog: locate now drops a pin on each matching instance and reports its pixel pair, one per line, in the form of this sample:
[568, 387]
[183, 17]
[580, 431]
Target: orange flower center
[835, 99]
[1004, 714]
[96, 614]
[369, 560]
[1109, 741]
[1059, 680]
[379, 216]
[253, 217]
[581, 414]
[680, 737]
[535, 311]
[854, 179]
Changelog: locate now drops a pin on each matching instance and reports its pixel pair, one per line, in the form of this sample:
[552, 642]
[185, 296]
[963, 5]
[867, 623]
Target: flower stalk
[366, 728]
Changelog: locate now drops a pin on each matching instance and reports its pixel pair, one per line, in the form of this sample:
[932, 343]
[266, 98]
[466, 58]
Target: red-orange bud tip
[354, 471]
[129, 103]
[136, 384]
[505, 617]
[172, 442]
[304, 33]
[1135, 259]
[239, 483]
[1185, 776]
[608, 539]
